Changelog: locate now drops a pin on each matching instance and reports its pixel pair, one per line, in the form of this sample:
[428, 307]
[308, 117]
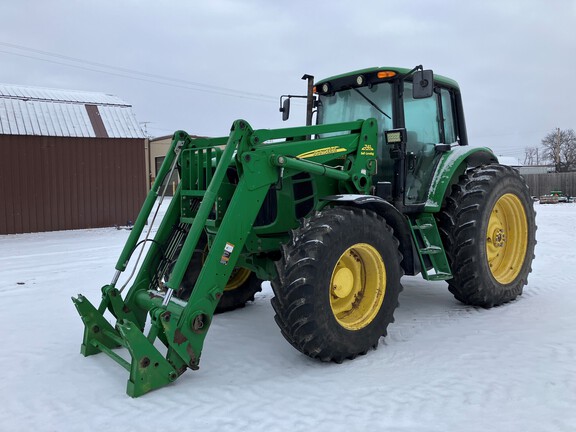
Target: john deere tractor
[334, 213]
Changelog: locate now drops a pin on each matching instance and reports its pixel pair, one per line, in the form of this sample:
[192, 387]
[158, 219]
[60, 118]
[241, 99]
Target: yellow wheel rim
[237, 278]
[507, 238]
[357, 286]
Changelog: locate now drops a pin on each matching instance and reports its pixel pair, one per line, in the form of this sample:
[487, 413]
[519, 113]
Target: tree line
[557, 147]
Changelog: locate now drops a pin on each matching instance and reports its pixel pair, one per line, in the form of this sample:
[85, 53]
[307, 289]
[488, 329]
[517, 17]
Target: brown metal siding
[55, 183]
[96, 121]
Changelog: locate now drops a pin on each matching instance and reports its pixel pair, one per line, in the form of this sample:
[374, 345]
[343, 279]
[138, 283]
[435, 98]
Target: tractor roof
[400, 71]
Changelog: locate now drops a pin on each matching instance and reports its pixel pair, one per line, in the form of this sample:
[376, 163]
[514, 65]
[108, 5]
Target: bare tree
[560, 149]
[531, 156]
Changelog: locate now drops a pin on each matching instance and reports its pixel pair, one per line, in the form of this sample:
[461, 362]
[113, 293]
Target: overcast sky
[199, 65]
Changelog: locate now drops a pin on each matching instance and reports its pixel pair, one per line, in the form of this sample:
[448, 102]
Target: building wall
[535, 169]
[158, 149]
[62, 183]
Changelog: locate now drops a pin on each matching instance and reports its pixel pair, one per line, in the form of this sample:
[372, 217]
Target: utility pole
[147, 152]
[145, 125]
[557, 150]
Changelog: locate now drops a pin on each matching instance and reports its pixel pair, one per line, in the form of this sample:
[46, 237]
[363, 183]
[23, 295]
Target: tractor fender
[395, 219]
[451, 166]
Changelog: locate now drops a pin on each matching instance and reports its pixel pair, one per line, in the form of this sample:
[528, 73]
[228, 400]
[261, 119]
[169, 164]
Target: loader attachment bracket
[148, 369]
[98, 332]
[117, 306]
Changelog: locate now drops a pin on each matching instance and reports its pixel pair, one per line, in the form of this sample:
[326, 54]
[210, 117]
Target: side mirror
[285, 109]
[423, 84]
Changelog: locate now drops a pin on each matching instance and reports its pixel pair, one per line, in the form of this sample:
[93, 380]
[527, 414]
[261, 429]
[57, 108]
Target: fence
[541, 184]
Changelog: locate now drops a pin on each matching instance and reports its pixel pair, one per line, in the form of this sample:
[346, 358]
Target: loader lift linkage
[182, 327]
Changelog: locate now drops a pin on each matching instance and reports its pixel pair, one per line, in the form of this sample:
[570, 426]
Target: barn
[68, 160]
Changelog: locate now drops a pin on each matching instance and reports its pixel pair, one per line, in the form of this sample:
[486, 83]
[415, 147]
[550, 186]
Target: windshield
[349, 105]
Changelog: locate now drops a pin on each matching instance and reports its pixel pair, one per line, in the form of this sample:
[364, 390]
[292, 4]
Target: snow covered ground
[443, 367]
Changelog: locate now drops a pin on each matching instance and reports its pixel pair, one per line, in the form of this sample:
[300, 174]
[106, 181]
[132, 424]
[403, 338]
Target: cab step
[430, 249]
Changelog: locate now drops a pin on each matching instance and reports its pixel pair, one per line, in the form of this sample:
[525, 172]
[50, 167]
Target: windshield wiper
[370, 102]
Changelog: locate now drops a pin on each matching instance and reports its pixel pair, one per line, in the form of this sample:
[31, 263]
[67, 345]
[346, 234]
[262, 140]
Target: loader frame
[206, 201]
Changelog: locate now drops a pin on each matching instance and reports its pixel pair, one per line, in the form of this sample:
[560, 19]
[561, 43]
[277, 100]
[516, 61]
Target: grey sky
[515, 60]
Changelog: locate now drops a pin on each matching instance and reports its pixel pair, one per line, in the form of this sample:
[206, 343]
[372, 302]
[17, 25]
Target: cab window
[428, 122]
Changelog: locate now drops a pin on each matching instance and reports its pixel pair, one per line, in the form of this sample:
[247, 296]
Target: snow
[443, 367]
[446, 165]
[509, 160]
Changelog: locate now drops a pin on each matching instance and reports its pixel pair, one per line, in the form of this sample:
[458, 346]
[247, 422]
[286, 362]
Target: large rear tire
[239, 290]
[338, 284]
[488, 226]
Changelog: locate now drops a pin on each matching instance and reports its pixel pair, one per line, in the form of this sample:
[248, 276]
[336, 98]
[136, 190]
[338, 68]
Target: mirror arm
[285, 105]
[416, 68]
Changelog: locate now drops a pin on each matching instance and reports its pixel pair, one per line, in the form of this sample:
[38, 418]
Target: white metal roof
[509, 160]
[51, 112]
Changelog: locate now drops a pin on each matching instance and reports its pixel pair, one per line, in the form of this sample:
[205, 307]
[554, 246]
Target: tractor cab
[420, 113]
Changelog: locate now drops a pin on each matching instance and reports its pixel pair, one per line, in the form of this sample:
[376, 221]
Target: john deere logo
[321, 152]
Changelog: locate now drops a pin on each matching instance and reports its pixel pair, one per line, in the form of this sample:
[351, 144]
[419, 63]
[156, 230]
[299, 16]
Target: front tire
[488, 226]
[338, 284]
[240, 289]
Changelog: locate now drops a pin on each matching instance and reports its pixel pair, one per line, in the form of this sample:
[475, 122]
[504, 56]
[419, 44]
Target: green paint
[334, 163]
[245, 192]
[451, 166]
[400, 71]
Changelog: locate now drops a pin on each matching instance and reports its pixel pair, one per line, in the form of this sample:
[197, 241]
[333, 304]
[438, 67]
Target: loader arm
[206, 200]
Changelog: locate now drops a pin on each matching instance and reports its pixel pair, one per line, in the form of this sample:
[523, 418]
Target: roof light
[325, 87]
[386, 74]
[360, 80]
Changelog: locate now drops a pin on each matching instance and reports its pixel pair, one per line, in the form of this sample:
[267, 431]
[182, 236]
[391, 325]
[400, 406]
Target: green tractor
[333, 214]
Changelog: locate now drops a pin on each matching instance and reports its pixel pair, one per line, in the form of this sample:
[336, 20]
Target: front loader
[333, 214]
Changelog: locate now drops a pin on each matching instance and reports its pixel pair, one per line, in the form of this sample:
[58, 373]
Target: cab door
[428, 122]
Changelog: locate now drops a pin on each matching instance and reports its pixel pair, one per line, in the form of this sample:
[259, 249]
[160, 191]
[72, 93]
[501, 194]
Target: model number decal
[367, 150]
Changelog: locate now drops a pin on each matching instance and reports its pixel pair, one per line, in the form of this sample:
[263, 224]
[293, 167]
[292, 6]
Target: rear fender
[451, 166]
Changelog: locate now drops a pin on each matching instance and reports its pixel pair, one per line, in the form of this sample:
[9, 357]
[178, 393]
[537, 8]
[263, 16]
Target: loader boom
[206, 201]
